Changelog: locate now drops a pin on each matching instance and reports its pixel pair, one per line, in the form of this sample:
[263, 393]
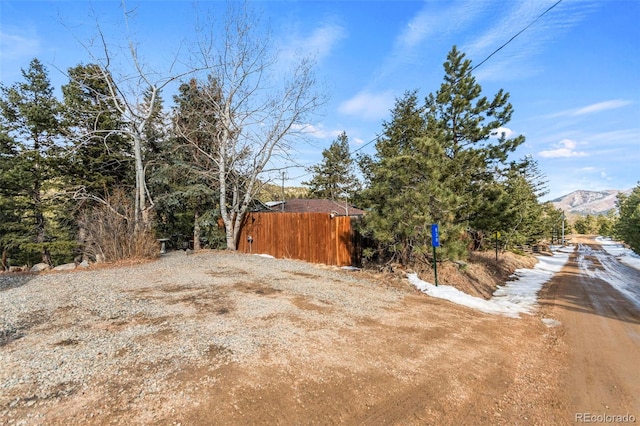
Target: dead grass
[480, 275]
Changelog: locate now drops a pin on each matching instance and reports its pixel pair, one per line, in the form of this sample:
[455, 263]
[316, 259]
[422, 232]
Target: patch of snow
[563, 249]
[268, 256]
[512, 299]
[617, 249]
[632, 260]
[550, 322]
[350, 268]
[613, 271]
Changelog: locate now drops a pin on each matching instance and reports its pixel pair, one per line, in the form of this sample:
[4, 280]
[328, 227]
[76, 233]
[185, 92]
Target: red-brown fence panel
[313, 237]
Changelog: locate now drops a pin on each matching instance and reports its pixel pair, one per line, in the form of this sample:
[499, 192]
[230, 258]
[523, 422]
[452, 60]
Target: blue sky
[573, 76]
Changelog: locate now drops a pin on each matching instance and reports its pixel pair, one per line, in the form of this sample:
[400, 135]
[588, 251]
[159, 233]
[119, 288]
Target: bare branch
[257, 111]
[82, 194]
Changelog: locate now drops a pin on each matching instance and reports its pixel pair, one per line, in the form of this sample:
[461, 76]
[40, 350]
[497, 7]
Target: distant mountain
[588, 202]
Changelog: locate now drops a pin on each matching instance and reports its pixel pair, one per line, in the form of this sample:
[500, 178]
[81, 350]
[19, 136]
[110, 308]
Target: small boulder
[39, 267]
[84, 264]
[65, 267]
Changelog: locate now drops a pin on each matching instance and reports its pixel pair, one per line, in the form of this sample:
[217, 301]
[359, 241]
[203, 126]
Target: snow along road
[596, 299]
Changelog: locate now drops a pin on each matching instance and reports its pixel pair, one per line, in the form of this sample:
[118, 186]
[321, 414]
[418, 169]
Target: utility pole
[282, 204]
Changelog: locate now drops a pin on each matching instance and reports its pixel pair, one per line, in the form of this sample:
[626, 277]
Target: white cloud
[324, 39]
[480, 27]
[505, 19]
[593, 108]
[14, 46]
[319, 43]
[593, 171]
[565, 149]
[621, 137]
[367, 105]
[601, 106]
[317, 131]
[416, 30]
[500, 130]
[17, 48]
[432, 21]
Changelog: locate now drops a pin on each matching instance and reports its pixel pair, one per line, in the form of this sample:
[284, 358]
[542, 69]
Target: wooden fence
[313, 237]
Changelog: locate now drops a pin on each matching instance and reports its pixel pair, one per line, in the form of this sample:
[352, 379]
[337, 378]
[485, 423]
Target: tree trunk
[37, 204]
[46, 256]
[140, 202]
[196, 231]
[82, 237]
[237, 228]
[228, 221]
[40, 234]
[231, 240]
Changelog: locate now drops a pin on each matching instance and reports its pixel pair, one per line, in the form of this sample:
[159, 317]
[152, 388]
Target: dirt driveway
[219, 338]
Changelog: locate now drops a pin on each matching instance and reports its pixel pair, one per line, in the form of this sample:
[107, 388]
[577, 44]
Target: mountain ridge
[585, 202]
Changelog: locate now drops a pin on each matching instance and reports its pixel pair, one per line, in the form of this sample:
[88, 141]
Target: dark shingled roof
[303, 205]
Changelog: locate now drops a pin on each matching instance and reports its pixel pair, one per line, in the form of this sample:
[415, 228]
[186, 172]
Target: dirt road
[602, 334]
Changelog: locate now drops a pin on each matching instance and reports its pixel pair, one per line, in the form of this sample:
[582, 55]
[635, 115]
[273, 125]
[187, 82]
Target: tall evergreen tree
[99, 158]
[464, 122]
[444, 162]
[404, 193]
[188, 175]
[628, 226]
[607, 223]
[554, 223]
[334, 177]
[521, 215]
[511, 206]
[586, 225]
[31, 116]
[13, 203]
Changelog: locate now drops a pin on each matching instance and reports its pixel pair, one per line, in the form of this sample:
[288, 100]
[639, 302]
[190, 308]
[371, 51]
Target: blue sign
[435, 236]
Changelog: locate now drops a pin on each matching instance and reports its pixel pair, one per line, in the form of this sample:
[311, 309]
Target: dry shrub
[111, 234]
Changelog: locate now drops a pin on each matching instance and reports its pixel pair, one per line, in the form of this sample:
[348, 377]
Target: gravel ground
[62, 334]
[226, 338]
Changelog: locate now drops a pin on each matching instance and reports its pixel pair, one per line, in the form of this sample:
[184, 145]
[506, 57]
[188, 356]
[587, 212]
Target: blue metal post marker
[435, 242]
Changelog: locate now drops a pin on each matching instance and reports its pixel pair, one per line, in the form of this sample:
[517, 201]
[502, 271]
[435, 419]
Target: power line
[485, 59]
[517, 34]
[362, 146]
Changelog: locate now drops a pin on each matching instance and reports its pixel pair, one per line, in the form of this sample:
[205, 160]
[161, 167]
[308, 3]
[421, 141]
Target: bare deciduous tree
[260, 109]
[133, 92]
